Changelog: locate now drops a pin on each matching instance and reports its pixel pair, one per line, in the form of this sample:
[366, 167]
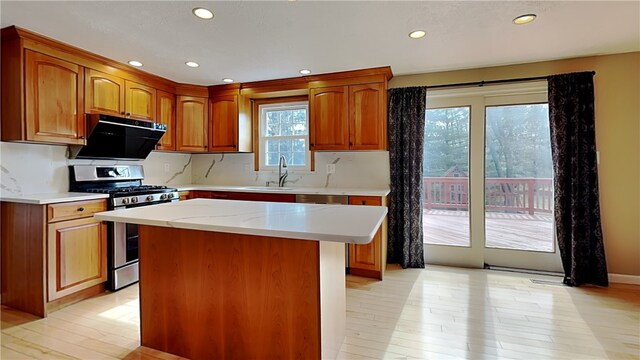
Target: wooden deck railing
[501, 194]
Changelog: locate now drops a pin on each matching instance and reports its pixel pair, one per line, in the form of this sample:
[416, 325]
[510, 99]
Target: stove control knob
[163, 196]
[150, 198]
[134, 200]
[170, 196]
[125, 201]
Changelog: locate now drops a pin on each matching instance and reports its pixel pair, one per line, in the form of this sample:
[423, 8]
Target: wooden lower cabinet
[52, 255]
[185, 195]
[76, 256]
[369, 260]
[229, 195]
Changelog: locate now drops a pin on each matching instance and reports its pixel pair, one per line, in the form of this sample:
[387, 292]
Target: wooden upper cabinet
[223, 123]
[329, 118]
[53, 100]
[166, 109]
[367, 121]
[104, 93]
[140, 101]
[191, 123]
[349, 117]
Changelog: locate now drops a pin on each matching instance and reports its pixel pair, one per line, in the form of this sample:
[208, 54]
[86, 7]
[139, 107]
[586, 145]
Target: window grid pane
[285, 133]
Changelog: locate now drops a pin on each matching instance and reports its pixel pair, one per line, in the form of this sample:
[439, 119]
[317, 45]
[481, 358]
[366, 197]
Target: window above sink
[284, 130]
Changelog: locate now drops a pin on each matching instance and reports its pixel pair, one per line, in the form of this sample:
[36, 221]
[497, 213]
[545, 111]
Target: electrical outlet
[167, 168]
[331, 168]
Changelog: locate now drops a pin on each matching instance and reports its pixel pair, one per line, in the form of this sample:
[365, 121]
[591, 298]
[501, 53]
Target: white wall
[353, 169]
[29, 168]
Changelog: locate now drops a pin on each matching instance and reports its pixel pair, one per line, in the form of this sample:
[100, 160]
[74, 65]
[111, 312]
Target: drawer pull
[80, 209]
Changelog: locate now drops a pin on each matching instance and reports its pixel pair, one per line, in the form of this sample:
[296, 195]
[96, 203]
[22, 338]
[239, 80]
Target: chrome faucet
[282, 164]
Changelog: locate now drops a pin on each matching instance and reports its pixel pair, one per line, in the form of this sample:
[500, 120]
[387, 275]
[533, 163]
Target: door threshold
[523, 271]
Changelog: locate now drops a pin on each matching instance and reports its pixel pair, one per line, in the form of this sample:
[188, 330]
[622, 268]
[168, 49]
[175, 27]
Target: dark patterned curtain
[577, 208]
[406, 142]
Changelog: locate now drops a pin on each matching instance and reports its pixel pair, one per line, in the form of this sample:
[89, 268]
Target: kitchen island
[244, 279]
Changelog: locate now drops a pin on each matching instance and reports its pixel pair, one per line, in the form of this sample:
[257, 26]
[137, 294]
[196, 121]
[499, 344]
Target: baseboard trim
[624, 279]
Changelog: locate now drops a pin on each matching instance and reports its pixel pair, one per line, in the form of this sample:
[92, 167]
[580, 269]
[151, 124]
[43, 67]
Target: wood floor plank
[435, 313]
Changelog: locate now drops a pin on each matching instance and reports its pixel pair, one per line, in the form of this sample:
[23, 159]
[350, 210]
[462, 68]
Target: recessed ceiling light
[417, 34]
[135, 63]
[192, 64]
[227, 80]
[203, 13]
[305, 71]
[524, 19]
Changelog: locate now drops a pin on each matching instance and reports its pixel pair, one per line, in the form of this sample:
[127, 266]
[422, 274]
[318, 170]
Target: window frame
[262, 109]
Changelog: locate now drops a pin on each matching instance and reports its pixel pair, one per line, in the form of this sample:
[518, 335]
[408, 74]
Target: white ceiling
[250, 41]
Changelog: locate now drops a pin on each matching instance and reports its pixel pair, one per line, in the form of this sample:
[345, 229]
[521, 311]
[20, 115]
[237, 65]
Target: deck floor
[503, 230]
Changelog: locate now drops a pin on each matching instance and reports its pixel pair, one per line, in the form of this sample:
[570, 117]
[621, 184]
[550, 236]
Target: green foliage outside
[517, 142]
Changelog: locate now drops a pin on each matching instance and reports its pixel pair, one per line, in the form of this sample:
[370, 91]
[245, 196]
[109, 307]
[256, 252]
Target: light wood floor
[437, 313]
[503, 230]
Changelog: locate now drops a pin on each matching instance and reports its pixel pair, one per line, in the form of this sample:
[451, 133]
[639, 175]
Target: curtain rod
[489, 82]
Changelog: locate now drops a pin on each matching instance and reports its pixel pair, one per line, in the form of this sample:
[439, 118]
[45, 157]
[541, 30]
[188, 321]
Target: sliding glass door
[488, 178]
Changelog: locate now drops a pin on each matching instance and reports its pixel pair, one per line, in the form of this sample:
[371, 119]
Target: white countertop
[50, 198]
[53, 198]
[338, 223]
[285, 190]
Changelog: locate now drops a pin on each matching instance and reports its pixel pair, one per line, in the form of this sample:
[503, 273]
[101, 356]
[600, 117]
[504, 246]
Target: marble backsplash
[31, 168]
[368, 169]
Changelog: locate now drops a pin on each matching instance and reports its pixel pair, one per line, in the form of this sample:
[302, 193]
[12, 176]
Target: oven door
[125, 244]
[125, 239]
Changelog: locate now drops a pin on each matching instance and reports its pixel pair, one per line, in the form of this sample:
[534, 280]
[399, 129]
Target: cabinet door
[191, 122]
[140, 101]
[367, 120]
[166, 109]
[104, 93]
[223, 125]
[329, 122]
[53, 100]
[77, 256]
[365, 260]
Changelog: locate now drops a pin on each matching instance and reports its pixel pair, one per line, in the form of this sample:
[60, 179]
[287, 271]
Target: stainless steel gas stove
[123, 183]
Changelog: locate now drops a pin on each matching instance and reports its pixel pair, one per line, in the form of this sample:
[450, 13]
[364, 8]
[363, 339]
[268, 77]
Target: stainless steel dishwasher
[329, 200]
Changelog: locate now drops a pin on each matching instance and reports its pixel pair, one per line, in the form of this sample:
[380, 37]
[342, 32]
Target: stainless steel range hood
[112, 137]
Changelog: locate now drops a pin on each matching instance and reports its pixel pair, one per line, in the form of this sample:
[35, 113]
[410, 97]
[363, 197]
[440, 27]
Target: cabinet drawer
[74, 210]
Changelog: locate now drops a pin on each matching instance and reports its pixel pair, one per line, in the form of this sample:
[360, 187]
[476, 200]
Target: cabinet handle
[81, 209]
[81, 137]
[364, 202]
[128, 114]
[122, 113]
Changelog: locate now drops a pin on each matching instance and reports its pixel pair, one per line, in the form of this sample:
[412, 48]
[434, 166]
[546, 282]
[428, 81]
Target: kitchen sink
[269, 188]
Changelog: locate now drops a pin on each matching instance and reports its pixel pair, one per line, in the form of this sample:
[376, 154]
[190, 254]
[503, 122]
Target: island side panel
[23, 257]
[333, 298]
[209, 295]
